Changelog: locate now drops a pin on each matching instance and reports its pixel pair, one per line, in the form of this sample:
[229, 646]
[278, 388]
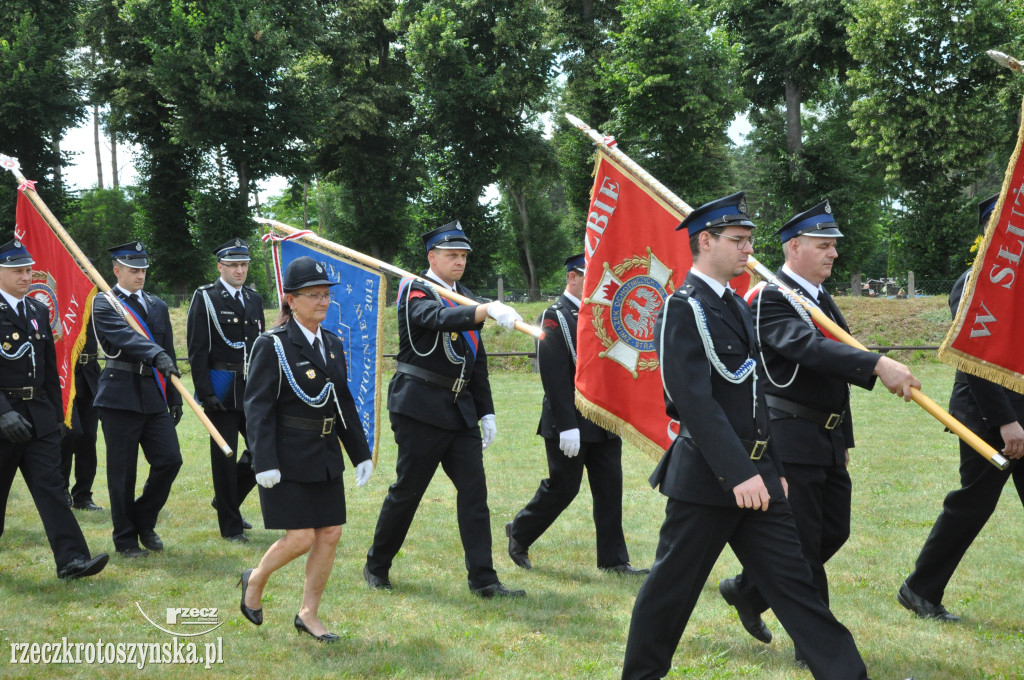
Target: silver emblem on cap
[138, 246]
[238, 242]
[742, 205]
[319, 269]
[828, 208]
[17, 244]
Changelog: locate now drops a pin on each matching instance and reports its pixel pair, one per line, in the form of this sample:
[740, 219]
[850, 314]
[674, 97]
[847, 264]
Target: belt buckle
[458, 385]
[758, 450]
[834, 419]
[83, 358]
[328, 426]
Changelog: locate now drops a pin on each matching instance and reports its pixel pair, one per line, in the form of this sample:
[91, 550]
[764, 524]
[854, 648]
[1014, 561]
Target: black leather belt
[217, 366]
[131, 367]
[755, 449]
[84, 358]
[454, 384]
[324, 426]
[25, 393]
[829, 421]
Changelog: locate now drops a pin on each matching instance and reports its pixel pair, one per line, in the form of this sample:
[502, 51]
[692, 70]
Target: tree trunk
[305, 208]
[114, 181]
[96, 144]
[794, 140]
[530, 269]
[242, 168]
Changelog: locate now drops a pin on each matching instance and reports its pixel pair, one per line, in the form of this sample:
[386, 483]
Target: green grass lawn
[574, 620]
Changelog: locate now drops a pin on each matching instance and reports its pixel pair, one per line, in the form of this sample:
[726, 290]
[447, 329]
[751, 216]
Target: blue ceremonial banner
[354, 315]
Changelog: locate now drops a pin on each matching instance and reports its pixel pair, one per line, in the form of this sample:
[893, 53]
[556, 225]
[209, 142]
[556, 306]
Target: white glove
[268, 478]
[569, 442]
[363, 471]
[503, 314]
[490, 429]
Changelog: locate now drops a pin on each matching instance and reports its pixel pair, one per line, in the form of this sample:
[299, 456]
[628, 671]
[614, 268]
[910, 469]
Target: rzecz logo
[192, 618]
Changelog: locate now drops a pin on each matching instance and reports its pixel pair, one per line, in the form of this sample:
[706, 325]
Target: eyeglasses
[740, 241]
[316, 297]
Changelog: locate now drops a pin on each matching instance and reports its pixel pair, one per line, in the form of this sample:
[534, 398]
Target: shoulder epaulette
[208, 286]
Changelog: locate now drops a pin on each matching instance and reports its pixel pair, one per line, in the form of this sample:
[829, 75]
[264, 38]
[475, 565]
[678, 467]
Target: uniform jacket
[45, 409]
[426, 323]
[982, 405]
[301, 455]
[205, 344]
[556, 354]
[126, 390]
[704, 466]
[824, 370]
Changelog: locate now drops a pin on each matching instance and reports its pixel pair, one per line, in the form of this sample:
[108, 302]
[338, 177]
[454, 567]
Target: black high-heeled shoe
[254, 616]
[301, 628]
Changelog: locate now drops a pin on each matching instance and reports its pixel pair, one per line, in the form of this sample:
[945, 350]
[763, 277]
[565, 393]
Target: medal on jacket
[311, 374]
[454, 336]
[7, 346]
[35, 325]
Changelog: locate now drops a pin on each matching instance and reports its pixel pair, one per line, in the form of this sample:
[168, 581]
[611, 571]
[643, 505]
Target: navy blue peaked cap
[723, 212]
[817, 221]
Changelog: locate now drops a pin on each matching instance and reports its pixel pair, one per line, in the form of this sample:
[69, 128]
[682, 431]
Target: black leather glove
[212, 403]
[15, 428]
[162, 362]
[175, 412]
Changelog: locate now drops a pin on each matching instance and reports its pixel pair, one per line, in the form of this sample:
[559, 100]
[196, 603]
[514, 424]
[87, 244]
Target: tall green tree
[928, 106]
[39, 98]
[673, 78]
[790, 47]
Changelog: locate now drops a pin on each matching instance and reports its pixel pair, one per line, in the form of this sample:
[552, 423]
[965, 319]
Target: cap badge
[238, 242]
[138, 246]
[319, 269]
[17, 244]
[828, 208]
[742, 205]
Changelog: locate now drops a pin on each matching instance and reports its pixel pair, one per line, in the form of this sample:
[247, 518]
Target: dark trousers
[39, 462]
[421, 448]
[692, 538]
[124, 432]
[603, 462]
[79, 444]
[964, 513]
[820, 498]
[233, 476]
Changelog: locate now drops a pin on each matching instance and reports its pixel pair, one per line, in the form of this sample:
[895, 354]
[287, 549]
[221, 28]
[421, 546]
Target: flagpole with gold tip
[51, 220]
[755, 267]
[356, 256]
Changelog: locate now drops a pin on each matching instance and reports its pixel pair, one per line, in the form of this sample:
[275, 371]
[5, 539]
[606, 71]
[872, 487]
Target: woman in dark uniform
[297, 408]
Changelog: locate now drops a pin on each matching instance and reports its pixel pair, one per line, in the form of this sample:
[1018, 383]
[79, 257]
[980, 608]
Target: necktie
[135, 301]
[238, 298]
[318, 349]
[21, 311]
[730, 302]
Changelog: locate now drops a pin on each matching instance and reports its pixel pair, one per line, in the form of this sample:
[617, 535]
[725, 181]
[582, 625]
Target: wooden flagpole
[97, 279]
[374, 263]
[755, 267]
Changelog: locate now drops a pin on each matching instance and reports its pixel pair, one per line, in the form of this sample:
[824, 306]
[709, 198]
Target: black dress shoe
[254, 616]
[496, 590]
[326, 637]
[149, 539]
[376, 582]
[80, 567]
[520, 554]
[626, 568]
[237, 538]
[750, 618]
[133, 552]
[85, 504]
[922, 607]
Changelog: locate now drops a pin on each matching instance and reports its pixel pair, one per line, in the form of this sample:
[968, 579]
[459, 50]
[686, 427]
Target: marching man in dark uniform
[808, 376]
[996, 414]
[572, 443]
[224, 320]
[79, 444]
[138, 405]
[722, 475]
[31, 412]
[440, 400]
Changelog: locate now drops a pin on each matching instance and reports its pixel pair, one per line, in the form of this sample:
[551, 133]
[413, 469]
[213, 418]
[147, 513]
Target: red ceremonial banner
[59, 283]
[985, 338]
[635, 258]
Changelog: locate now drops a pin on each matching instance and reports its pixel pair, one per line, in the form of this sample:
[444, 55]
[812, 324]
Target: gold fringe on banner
[609, 421]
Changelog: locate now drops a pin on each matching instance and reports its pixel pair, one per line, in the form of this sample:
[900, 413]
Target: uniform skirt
[303, 505]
